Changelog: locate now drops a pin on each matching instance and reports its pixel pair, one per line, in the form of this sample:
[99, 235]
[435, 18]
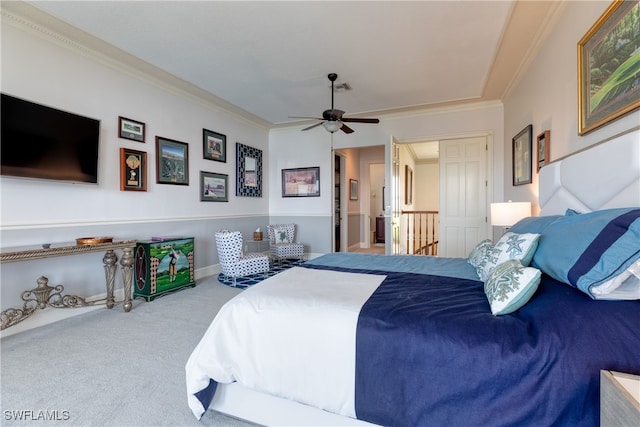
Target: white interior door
[463, 195]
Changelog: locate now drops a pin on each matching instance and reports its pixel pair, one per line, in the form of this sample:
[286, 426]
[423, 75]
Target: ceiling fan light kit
[332, 126]
[332, 120]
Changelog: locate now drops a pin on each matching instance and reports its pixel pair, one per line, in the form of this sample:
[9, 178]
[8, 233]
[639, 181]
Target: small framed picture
[408, 185]
[214, 187]
[353, 189]
[214, 146]
[133, 170]
[172, 161]
[131, 129]
[543, 148]
[521, 145]
[301, 182]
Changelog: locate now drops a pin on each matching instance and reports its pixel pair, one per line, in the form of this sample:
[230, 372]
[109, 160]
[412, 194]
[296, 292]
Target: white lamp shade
[332, 125]
[508, 213]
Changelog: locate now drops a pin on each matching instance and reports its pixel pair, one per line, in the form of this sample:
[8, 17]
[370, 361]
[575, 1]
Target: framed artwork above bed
[609, 67]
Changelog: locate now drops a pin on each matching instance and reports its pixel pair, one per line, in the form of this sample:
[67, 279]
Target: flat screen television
[42, 142]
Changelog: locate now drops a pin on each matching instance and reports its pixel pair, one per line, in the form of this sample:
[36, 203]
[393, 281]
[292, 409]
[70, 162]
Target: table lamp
[505, 214]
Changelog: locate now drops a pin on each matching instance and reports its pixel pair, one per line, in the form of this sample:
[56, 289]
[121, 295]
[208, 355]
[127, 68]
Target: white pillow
[625, 286]
[511, 246]
[281, 235]
[510, 286]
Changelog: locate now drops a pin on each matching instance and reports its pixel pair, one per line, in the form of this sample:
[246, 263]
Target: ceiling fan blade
[312, 126]
[357, 120]
[346, 129]
[302, 117]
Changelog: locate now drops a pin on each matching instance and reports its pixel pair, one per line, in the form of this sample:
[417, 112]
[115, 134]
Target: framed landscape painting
[301, 182]
[609, 67]
[172, 161]
[214, 187]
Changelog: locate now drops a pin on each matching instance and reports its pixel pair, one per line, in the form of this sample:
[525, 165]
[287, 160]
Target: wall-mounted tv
[46, 143]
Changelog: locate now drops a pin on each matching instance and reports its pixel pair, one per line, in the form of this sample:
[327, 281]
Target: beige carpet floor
[111, 368]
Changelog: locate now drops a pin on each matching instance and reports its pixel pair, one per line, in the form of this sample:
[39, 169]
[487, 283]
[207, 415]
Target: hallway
[378, 248]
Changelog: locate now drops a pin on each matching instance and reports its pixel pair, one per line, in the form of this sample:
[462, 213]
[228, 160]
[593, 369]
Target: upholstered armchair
[233, 262]
[282, 242]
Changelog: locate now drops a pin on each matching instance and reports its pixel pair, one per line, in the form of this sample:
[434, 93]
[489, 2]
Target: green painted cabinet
[163, 266]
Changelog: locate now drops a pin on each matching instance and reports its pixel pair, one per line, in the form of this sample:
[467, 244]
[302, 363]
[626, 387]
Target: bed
[353, 339]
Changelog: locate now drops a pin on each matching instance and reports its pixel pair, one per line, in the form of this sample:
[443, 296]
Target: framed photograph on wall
[214, 187]
[408, 185]
[521, 157]
[172, 161]
[353, 189]
[214, 146]
[301, 182]
[131, 129]
[608, 64]
[133, 170]
[543, 143]
[249, 171]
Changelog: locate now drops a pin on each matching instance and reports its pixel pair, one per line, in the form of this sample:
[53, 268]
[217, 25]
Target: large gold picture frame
[609, 67]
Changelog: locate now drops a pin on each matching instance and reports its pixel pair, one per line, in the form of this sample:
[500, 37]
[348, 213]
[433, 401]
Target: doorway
[452, 176]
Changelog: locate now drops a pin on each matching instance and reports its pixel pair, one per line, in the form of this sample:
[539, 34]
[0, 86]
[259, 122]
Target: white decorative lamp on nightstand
[505, 214]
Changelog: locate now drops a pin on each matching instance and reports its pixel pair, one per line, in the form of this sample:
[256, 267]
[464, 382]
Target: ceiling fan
[332, 119]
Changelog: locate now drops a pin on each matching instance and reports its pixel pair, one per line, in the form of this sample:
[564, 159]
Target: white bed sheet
[318, 329]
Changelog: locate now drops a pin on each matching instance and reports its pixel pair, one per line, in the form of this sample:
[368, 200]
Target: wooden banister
[421, 232]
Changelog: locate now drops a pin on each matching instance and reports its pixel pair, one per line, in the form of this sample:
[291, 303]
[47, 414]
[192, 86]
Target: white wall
[60, 77]
[547, 96]
[294, 148]
[427, 181]
[472, 120]
[48, 69]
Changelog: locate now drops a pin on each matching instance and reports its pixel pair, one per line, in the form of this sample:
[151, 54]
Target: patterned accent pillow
[477, 255]
[281, 235]
[511, 246]
[510, 286]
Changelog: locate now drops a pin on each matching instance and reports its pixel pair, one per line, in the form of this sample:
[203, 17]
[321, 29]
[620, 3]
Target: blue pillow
[533, 224]
[587, 249]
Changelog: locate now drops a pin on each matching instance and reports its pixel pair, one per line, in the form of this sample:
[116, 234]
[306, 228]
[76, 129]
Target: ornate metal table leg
[41, 297]
[109, 261]
[127, 276]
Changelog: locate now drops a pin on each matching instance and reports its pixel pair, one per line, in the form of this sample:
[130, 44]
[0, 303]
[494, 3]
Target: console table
[44, 295]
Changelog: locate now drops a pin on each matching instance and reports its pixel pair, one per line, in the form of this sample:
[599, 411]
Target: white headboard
[603, 176]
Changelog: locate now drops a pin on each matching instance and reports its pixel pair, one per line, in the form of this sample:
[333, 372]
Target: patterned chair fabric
[286, 250]
[233, 263]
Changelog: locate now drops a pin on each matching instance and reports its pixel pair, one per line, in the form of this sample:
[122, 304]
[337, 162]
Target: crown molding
[34, 21]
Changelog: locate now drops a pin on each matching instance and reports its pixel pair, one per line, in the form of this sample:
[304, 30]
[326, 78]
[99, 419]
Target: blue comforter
[429, 352]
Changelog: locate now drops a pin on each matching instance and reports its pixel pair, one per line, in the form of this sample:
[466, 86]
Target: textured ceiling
[271, 59]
